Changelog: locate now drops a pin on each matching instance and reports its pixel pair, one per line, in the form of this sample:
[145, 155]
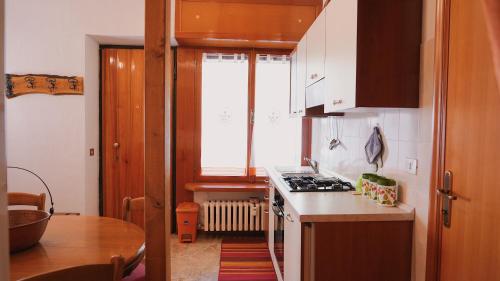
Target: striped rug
[245, 259]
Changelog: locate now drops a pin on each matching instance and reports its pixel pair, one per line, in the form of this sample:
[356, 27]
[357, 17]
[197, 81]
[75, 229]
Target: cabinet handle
[300, 111]
[289, 218]
[335, 102]
[314, 75]
[266, 211]
[266, 197]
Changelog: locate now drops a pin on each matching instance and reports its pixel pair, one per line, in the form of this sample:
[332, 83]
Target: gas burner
[317, 184]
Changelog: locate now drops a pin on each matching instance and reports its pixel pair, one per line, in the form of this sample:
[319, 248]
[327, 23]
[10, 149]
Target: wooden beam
[157, 139]
[4, 246]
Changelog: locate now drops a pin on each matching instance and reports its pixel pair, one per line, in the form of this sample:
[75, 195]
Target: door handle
[448, 197]
[116, 145]
[444, 193]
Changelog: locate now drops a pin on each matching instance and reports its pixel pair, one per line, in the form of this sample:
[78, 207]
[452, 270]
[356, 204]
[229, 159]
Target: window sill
[225, 187]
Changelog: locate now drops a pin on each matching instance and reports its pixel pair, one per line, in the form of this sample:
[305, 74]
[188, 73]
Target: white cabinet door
[270, 241]
[293, 247]
[340, 59]
[316, 50]
[301, 76]
[293, 84]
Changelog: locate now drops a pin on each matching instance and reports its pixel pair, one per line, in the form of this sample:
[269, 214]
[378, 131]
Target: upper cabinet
[241, 23]
[372, 56]
[316, 50]
[298, 79]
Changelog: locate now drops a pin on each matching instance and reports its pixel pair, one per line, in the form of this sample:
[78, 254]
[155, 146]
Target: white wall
[52, 135]
[4, 246]
[407, 134]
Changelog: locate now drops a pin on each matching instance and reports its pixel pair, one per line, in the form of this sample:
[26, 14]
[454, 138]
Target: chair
[95, 272]
[131, 206]
[26, 199]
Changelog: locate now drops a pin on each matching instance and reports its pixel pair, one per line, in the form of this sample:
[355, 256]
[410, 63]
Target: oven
[279, 229]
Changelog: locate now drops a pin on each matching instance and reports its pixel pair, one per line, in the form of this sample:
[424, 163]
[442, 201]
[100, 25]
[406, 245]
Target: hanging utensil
[335, 141]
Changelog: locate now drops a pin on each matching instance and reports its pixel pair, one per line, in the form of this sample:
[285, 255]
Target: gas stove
[317, 184]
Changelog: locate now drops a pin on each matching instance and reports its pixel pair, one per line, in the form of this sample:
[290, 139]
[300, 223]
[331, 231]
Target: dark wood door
[122, 128]
[468, 248]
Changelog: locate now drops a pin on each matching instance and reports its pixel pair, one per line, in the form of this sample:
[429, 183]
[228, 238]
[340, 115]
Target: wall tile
[391, 124]
[408, 124]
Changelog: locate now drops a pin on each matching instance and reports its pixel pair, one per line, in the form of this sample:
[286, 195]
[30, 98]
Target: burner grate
[317, 184]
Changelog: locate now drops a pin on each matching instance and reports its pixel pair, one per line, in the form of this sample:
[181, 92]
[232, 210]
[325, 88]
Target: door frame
[441, 58]
[101, 155]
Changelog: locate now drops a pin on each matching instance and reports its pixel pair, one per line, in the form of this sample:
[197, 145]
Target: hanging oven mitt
[374, 148]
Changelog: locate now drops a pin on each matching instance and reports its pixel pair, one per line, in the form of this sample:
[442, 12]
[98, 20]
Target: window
[244, 123]
[277, 138]
[224, 114]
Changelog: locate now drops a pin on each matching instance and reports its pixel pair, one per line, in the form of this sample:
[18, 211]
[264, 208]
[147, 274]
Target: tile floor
[197, 261]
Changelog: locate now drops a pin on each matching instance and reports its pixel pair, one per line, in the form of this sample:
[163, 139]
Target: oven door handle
[277, 210]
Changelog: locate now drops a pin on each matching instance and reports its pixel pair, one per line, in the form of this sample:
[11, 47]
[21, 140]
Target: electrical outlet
[411, 166]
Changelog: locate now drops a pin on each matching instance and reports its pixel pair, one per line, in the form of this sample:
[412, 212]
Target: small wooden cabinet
[315, 50]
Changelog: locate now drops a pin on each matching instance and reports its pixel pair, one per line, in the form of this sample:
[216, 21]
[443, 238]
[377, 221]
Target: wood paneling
[122, 127]
[185, 123]
[251, 23]
[226, 187]
[351, 251]
[468, 101]
[157, 139]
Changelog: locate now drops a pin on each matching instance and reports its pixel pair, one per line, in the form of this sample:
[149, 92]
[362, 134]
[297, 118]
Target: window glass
[277, 138]
[224, 114]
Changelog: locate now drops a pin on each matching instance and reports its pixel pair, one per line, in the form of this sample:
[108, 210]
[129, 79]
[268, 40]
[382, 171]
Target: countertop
[337, 206]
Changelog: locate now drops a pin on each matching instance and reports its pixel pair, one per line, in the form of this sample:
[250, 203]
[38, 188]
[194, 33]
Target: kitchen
[306, 138]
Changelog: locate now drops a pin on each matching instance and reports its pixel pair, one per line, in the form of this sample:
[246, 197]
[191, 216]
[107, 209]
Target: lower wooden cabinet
[347, 251]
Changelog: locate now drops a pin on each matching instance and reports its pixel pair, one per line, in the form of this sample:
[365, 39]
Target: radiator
[222, 215]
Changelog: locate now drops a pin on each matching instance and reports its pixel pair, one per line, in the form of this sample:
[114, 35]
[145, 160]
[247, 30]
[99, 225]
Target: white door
[293, 84]
[301, 75]
[316, 50]
[293, 242]
[340, 58]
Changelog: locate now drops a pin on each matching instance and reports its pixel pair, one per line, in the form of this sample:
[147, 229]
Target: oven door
[279, 233]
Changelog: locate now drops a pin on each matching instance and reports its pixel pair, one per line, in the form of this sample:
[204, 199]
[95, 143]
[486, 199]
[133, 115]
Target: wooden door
[468, 139]
[122, 128]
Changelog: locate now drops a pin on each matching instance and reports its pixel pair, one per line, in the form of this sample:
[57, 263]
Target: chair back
[95, 272]
[26, 199]
[133, 208]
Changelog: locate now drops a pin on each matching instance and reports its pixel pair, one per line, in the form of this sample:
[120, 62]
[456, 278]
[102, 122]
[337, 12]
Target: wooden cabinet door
[293, 245]
[301, 75]
[293, 84]
[316, 50]
[122, 128]
[340, 58]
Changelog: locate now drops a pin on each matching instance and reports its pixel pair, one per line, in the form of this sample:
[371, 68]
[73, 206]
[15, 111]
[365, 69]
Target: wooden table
[78, 240]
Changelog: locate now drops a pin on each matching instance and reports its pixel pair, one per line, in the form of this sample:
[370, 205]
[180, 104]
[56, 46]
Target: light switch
[91, 152]
[411, 166]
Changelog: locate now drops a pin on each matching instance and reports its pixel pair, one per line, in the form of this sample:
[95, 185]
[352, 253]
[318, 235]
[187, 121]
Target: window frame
[250, 176]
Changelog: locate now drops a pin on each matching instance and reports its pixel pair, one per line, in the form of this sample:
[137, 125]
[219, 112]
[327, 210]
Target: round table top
[78, 240]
